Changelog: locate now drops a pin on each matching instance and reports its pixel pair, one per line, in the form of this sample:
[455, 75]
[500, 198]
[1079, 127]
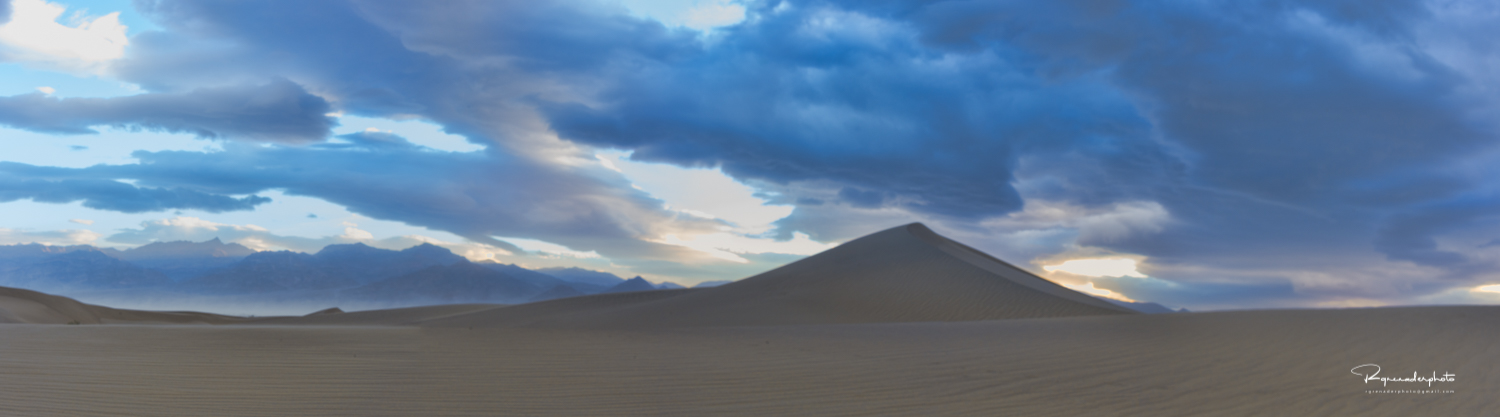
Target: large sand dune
[903, 274]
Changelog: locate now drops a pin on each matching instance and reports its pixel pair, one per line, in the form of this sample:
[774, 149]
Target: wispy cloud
[51, 237]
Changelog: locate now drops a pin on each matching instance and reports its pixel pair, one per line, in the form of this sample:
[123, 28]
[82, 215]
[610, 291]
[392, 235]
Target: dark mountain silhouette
[669, 286]
[334, 267]
[356, 272]
[269, 272]
[426, 274]
[185, 250]
[584, 276]
[633, 284]
[15, 257]
[181, 260]
[364, 264]
[589, 288]
[77, 269]
[538, 279]
[37, 250]
[462, 282]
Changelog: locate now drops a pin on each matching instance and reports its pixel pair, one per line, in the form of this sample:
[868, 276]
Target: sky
[1196, 153]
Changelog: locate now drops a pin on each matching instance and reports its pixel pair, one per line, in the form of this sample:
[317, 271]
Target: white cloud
[710, 194]
[352, 232]
[261, 239]
[728, 246]
[1090, 289]
[1079, 269]
[1094, 225]
[1488, 294]
[712, 15]
[34, 35]
[611, 165]
[699, 192]
[1099, 267]
[186, 228]
[47, 90]
[695, 14]
[53, 237]
[81, 221]
[548, 249]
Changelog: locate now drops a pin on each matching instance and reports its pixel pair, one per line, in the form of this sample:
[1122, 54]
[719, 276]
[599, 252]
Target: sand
[1236, 363]
[792, 341]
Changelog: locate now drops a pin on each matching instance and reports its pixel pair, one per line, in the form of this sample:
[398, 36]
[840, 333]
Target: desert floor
[1276, 362]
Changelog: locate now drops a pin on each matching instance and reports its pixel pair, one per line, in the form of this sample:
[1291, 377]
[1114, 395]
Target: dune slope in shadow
[902, 274]
[31, 307]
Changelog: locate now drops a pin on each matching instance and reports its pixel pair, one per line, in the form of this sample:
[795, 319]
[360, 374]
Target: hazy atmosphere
[749, 207]
[1199, 154]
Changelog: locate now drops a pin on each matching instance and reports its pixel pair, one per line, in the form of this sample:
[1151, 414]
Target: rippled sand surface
[1293, 362]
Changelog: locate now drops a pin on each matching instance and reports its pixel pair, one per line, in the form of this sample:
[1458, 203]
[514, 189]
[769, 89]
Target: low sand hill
[31, 307]
[903, 274]
[386, 317]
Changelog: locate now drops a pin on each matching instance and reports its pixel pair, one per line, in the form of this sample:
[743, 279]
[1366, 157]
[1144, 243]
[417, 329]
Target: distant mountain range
[182, 260]
[1145, 307]
[349, 273]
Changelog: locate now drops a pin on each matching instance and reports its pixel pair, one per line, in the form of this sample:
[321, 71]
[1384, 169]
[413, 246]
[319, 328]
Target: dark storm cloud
[465, 64]
[787, 100]
[1293, 131]
[1269, 130]
[1279, 135]
[1409, 235]
[113, 195]
[1255, 124]
[279, 111]
[474, 67]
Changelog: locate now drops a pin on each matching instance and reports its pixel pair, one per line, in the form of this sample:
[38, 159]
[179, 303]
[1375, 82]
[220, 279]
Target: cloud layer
[19, 181]
[278, 111]
[1271, 152]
